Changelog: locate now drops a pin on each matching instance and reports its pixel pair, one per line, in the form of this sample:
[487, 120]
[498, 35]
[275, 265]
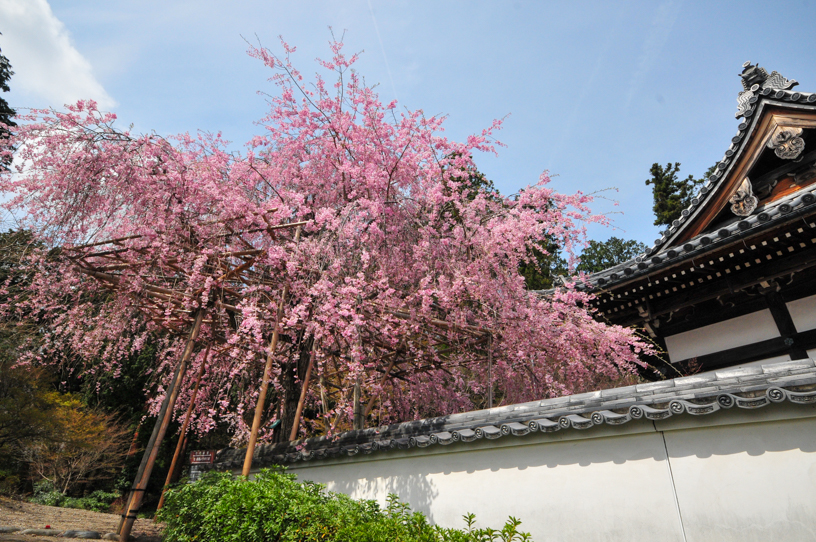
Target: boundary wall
[734, 475]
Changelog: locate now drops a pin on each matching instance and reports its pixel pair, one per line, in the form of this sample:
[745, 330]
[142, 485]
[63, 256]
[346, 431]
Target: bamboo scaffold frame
[160, 286]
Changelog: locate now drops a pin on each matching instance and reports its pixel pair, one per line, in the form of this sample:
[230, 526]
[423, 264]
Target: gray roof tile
[698, 395]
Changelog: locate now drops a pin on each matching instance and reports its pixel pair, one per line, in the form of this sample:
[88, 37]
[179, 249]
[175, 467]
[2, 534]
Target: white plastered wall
[747, 329]
[803, 313]
[733, 475]
[745, 483]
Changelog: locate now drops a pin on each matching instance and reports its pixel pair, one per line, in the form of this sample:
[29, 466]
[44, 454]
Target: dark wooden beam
[784, 322]
[734, 282]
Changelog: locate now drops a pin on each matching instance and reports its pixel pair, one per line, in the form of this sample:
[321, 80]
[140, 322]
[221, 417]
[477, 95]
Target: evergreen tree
[671, 194]
[6, 112]
[598, 256]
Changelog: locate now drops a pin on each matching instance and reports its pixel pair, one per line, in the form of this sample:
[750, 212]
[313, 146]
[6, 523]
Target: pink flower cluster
[403, 269]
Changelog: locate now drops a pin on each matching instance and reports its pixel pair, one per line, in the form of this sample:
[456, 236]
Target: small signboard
[197, 459]
[202, 457]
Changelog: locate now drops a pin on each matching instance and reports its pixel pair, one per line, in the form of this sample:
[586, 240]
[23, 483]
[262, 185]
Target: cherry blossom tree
[344, 243]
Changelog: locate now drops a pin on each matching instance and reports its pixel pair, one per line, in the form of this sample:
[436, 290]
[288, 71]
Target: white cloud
[46, 65]
[659, 31]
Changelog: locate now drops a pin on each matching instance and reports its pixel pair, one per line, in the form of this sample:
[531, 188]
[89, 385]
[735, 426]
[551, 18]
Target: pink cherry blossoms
[396, 276]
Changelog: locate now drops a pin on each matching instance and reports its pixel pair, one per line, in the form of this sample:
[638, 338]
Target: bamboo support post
[325, 403]
[358, 407]
[165, 414]
[259, 406]
[382, 382]
[490, 371]
[303, 389]
[183, 430]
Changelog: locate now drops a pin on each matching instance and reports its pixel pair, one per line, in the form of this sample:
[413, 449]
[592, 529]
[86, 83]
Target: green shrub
[274, 507]
[98, 501]
[44, 493]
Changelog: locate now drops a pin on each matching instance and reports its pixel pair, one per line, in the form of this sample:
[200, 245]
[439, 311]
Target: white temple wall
[803, 313]
[733, 475]
[747, 329]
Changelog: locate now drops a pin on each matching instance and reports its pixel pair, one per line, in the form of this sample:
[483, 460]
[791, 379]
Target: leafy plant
[273, 506]
[98, 501]
[45, 493]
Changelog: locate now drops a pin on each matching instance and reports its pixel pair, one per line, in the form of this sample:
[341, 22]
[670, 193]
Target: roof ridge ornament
[744, 202]
[786, 142]
[754, 79]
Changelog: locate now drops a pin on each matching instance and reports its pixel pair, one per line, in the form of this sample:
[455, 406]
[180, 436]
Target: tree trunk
[357, 422]
[291, 379]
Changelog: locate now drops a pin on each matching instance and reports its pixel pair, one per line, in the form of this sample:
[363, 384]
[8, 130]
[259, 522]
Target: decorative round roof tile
[688, 247]
[807, 199]
[763, 217]
[785, 208]
[795, 96]
[744, 225]
[724, 232]
[705, 241]
[811, 98]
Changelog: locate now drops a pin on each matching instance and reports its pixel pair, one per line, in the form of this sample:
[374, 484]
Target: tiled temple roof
[706, 393]
[663, 252]
[785, 209]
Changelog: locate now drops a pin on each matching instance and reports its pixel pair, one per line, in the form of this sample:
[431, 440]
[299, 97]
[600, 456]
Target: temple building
[732, 282]
[720, 447]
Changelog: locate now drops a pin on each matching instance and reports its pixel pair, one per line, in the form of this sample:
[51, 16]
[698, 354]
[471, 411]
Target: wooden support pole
[490, 371]
[382, 382]
[303, 389]
[165, 414]
[259, 406]
[177, 472]
[183, 431]
[358, 407]
[325, 403]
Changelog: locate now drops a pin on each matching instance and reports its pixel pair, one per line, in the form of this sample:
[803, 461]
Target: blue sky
[595, 91]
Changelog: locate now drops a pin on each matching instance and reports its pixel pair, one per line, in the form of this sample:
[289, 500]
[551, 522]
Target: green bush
[98, 501]
[274, 507]
[44, 493]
